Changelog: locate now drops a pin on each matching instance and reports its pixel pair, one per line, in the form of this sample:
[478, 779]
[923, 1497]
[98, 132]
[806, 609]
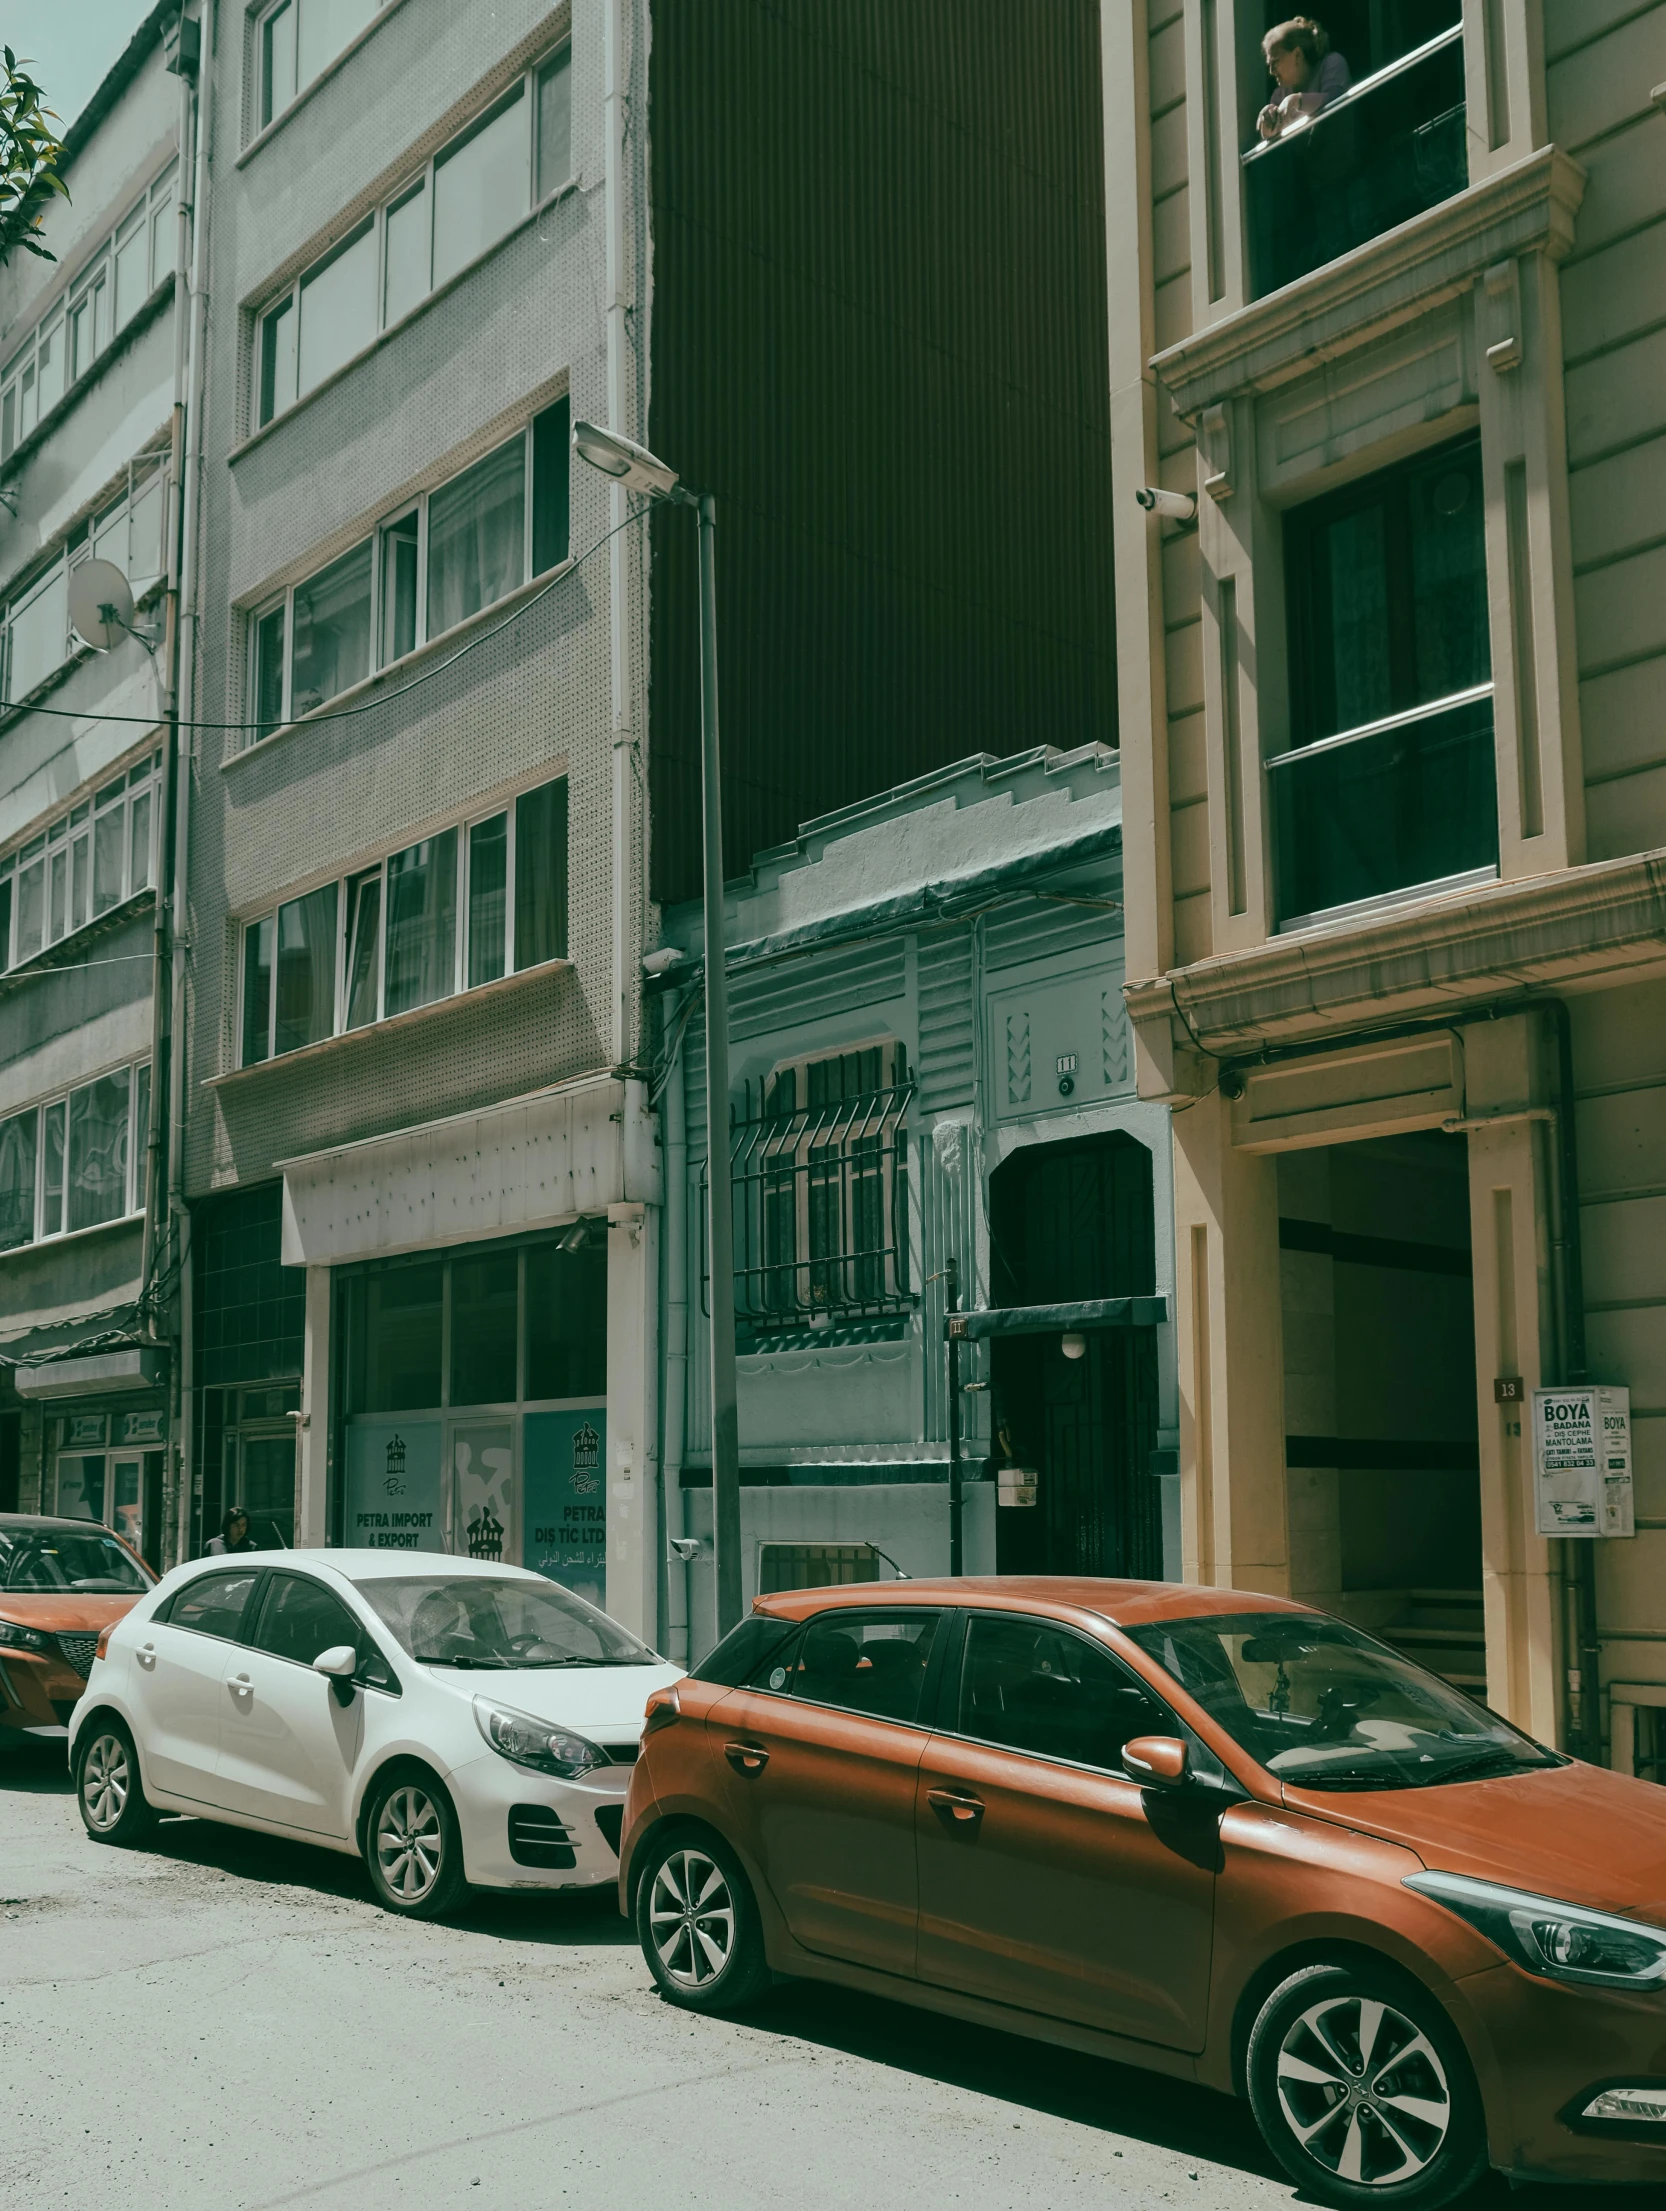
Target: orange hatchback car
[62, 1583]
[1197, 1830]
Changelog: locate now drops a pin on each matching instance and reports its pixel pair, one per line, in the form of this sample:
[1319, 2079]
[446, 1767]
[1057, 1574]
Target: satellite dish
[100, 604]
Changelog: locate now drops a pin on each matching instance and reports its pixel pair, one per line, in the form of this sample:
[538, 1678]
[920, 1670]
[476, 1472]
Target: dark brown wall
[879, 337]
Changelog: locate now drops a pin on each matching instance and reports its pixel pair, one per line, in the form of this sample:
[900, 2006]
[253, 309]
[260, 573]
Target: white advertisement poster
[1582, 1461]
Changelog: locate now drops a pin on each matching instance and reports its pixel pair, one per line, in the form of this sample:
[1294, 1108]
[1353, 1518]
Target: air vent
[538, 1838]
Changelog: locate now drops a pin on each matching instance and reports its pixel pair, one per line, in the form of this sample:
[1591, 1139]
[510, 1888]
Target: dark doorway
[1069, 1222]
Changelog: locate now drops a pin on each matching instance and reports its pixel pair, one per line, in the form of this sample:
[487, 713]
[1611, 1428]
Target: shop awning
[1051, 1320]
[99, 1374]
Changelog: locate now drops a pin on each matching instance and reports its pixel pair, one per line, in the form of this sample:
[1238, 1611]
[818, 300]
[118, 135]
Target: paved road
[229, 2023]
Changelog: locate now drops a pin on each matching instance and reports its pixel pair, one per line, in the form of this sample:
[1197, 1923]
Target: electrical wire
[365, 706]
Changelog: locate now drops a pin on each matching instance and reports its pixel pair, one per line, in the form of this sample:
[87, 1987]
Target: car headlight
[540, 1744]
[21, 1638]
[1565, 1942]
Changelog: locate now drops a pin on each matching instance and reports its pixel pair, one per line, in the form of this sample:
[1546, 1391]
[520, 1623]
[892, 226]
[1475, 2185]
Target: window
[1389, 784]
[107, 294]
[1026, 1684]
[213, 1604]
[300, 1619]
[1382, 139]
[820, 1170]
[35, 634]
[77, 1161]
[473, 192]
[83, 865]
[750, 1654]
[296, 41]
[459, 550]
[419, 926]
[873, 1662]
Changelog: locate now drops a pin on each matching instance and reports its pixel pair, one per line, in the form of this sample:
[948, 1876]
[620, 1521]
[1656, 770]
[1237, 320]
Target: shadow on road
[1118, 2100]
[29, 1768]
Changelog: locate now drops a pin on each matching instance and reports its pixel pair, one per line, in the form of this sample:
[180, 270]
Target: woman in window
[1309, 75]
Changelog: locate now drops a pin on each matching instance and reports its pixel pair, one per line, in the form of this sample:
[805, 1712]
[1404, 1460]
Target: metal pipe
[674, 1400]
[720, 1223]
[951, 1304]
[613, 116]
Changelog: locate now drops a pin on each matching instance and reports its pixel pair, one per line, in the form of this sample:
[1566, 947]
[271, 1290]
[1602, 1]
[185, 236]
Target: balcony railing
[1401, 804]
[1387, 149]
[821, 1213]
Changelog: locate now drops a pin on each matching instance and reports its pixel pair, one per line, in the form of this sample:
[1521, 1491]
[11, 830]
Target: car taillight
[663, 1711]
[103, 1640]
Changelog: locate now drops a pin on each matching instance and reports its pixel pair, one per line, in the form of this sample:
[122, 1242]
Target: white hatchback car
[451, 1721]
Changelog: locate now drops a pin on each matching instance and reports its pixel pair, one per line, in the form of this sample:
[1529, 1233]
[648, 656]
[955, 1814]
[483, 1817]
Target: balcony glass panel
[1387, 149]
[1390, 807]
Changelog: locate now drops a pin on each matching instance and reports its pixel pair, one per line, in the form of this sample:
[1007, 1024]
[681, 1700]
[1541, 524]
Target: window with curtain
[304, 1008]
[476, 537]
[331, 632]
[77, 1161]
[422, 923]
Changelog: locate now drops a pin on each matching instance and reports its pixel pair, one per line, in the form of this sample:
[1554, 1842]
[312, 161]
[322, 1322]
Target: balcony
[1404, 804]
[1389, 148]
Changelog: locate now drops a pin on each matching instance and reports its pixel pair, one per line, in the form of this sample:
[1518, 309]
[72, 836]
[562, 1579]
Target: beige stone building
[1393, 716]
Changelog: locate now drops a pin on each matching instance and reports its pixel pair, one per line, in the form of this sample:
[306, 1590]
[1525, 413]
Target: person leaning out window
[1306, 69]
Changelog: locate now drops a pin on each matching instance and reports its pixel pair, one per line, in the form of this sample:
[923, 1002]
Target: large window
[473, 192]
[107, 293]
[77, 1160]
[480, 900]
[1350, 138]
[1389, 785]
[820, 1170]
[101, 851]
[296, 40]
[131, 530]
[456, 551]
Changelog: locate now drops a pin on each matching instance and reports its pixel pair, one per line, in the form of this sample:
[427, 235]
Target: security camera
[687, 1547]
[657, 963]
[1179, 506]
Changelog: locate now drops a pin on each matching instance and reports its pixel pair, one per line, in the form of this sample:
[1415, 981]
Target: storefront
[103, 1440]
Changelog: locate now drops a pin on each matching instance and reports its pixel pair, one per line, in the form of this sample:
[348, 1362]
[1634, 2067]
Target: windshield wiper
[1470, 1769]
[437, 1658]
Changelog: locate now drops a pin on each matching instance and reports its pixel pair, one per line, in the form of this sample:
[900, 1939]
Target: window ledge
[505, 986]
[268, 131]
[67, 952]
[394, 329]
[447, 641]
[70, 1236]
[1384, 283]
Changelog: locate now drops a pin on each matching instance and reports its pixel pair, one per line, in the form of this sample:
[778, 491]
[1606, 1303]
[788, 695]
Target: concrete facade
[1307, 1054]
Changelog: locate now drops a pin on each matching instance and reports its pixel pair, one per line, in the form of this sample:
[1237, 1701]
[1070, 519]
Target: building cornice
[1529, 207]
[1550, 931]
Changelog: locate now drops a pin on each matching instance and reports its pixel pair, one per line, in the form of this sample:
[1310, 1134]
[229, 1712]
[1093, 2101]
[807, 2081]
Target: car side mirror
[338, 1664]
[1157, 1761]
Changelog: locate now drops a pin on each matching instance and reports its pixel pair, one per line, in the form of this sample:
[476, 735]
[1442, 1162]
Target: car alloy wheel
[106, 1783]
[410, 1844]
[1364, 2091]
[691, 1919]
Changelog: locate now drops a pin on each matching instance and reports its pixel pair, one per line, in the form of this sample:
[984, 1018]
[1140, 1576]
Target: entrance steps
[1445, 1630]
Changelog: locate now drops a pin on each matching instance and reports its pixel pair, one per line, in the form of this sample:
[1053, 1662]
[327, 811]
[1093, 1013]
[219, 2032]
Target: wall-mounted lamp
[1073, 1346]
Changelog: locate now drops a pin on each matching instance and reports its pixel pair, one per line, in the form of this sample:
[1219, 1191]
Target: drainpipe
[675, 1339]
[184, 750]
[618, 305]
[1569, 1247]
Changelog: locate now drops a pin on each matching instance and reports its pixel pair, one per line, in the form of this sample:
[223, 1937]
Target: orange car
[62, 1582]
[1197, 1830]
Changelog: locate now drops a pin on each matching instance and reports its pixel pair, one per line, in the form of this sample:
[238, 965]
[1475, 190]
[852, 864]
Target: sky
[69, 44]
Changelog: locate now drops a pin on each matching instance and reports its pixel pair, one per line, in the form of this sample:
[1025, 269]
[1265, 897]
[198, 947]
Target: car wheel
[107, 1788]
[413, 1847]
[697, 1922]
[1362, 2090]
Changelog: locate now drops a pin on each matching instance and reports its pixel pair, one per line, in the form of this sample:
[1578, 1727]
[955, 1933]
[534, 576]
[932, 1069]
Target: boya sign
[1582, 1461]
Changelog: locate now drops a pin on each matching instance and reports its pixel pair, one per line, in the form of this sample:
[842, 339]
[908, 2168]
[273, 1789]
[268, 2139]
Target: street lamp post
[637, 469]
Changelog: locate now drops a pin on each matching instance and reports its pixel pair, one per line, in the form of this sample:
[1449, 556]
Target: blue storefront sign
[565, 1499]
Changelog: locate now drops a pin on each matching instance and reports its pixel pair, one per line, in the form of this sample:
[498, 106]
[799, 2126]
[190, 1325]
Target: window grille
[819, 1173]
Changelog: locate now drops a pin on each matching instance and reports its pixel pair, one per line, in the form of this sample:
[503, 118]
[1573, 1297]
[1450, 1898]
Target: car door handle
[955, 1806]
[146, 1655]
[746, 1757]
[241, 1686]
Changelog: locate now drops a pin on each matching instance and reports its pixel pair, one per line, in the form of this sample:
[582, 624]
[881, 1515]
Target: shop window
[1388, 784]
[820, 1172]
[1351, 134]
[395, 1335]
[484, 1297]
[566, 1319]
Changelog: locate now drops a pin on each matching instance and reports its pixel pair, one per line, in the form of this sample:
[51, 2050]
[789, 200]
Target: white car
[449, 1720]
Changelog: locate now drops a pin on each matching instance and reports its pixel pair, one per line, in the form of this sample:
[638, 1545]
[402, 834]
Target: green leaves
[30, 152]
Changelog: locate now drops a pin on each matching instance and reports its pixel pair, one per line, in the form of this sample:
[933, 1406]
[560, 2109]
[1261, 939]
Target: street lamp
[636, 469]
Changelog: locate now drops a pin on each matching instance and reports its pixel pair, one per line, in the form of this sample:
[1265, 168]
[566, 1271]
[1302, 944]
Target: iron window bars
[820, 1193]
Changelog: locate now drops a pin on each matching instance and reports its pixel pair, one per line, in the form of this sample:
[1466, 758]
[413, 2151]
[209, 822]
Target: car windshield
[481, 1621]
[93, 1565]
[1324, 1707]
